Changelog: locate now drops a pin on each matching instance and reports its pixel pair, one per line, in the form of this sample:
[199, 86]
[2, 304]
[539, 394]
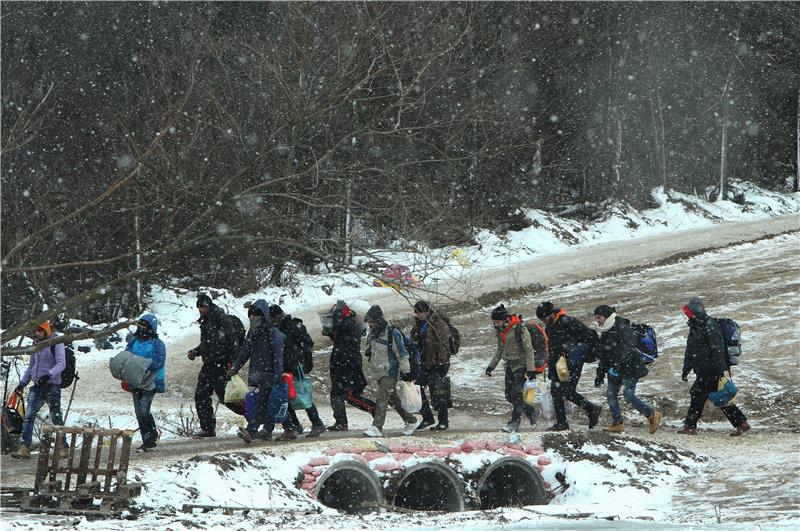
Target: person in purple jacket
[44, 370]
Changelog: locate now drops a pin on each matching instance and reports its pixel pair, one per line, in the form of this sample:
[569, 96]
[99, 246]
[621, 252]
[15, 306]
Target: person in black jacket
[570, 338]
[347, 373]
[705, 355]
[218, 345]
[297, 351]
[618, 356]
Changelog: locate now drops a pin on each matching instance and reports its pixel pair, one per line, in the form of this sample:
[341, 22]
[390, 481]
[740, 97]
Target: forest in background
[231, 144]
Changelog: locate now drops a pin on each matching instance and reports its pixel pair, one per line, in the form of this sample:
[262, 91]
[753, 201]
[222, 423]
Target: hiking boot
[686, 430]
[373, 431]
[287, 435]
[202, 434]
[339, 426]
[409, 428]
[316, 431]
[263, 435]
[245, 435]
[442, 426]
[558, 427]
[146, 447]
[425, 423]
[511, 427]
[743, 427]
[24, 452]
[594, 416]
[617, 427]
[655, 421]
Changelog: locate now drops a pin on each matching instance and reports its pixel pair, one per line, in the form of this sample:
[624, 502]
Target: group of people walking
[276, 343]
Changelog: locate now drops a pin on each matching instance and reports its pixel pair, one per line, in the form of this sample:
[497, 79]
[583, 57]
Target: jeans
[37, 396]
[629, 393]
[210, 380]
[432, 373]
[561, 391]
[699, 394]
[142, 400]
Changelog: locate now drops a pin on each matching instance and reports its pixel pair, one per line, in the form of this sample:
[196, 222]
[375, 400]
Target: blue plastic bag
[725, 393]
[278, 403]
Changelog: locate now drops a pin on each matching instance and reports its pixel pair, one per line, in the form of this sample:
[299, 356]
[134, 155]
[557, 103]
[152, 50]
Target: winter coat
[563, 335]
[705, 347]
[618, 349]
[432, 334]
[346, 365]
[153, 349]
[43, 362]
[217, 337]
[383, 359]
[514, 346]
[263, 347]
[298, 346]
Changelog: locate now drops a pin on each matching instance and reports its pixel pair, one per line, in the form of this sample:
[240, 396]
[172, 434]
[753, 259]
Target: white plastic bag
[235, 390]
[529, 391]
[410, 397]
[548, 411]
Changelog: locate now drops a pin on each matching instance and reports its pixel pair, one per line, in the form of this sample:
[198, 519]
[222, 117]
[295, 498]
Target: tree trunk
[723, 181]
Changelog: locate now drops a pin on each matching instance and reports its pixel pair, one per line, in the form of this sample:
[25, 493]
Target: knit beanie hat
[545, 309]
[500, 313]
[605, 310]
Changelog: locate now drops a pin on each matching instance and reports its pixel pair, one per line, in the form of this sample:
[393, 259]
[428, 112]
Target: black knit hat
[374, 314]
[422, 306]
[605, 310]
[545, 309]
[275, 310]
[203, 300]
[500, 313]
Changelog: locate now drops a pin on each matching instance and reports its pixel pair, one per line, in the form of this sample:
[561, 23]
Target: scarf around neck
[607, 325]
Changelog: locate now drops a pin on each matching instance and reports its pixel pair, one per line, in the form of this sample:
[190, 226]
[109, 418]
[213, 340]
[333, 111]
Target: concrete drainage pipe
[510, 482]
[349, 486]
[430, 487]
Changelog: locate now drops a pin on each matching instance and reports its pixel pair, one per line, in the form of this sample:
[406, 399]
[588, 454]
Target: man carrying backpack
[573, 340]
[618, 356]
[705, 355]
[432, 333]
[44, 370]
[388, 362]
[515, 348]
[297, 351]
[218, 345]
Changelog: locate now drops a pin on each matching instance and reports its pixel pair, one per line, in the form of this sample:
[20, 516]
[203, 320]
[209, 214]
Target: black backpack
[238, 334]
[455, 337]
[69, 374]
[306, 345]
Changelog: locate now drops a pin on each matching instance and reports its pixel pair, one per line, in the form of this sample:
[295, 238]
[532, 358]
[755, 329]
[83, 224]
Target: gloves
[530, 375]
[191, 355]
[489, 371]
[598, 381]
[407, 377]
[685, 376]
[18, 390]
[43, 380]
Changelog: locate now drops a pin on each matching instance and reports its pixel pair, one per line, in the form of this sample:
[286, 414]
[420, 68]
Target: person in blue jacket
[145, 342]
[263, 347]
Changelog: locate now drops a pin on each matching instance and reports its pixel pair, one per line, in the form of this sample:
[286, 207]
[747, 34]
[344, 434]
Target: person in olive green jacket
[515, 348]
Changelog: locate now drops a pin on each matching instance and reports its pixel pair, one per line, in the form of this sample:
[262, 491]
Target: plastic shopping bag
[562, 368]
[235, 390]
[548, 410]
[278, 403]
[410, 397]
[304, 392]
[529, 391]
[725, 393]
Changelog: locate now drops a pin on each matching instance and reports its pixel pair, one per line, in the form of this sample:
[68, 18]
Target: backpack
[455, 338]
[238, 334]
[414, 352]
[541, 344]
[648, 343]
[69, 374]
[732, 334]
[302, 356]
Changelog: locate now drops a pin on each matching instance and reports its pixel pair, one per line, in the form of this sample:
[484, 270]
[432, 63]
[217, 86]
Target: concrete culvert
[430, 487]
[349, 486]
[511, 482]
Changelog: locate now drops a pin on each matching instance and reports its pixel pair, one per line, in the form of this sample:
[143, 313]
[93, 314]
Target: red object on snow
[544, 460]
[289, 379]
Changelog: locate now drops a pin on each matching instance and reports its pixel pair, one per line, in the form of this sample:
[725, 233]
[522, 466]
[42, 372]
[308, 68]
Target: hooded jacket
[153, 349]
[44, 363]
[705, 346]
[263, 347]
[346, 367]
[387, 352]
[618, 349]
[432, 334]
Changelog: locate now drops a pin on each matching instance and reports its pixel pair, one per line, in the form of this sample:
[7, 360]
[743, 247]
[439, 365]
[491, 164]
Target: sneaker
[687, 431]
[594, 416]
[425, 423]
[287, 435]
[146, 447]
[339, 426]
[511, 427]
[24, 452]
[442, 426]
[655, 421]
[617, 427]
[373, 431]
[743, 427]
[202, 434]
[558, 427]
[245, 435]
[316, 431]
[409, 428]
